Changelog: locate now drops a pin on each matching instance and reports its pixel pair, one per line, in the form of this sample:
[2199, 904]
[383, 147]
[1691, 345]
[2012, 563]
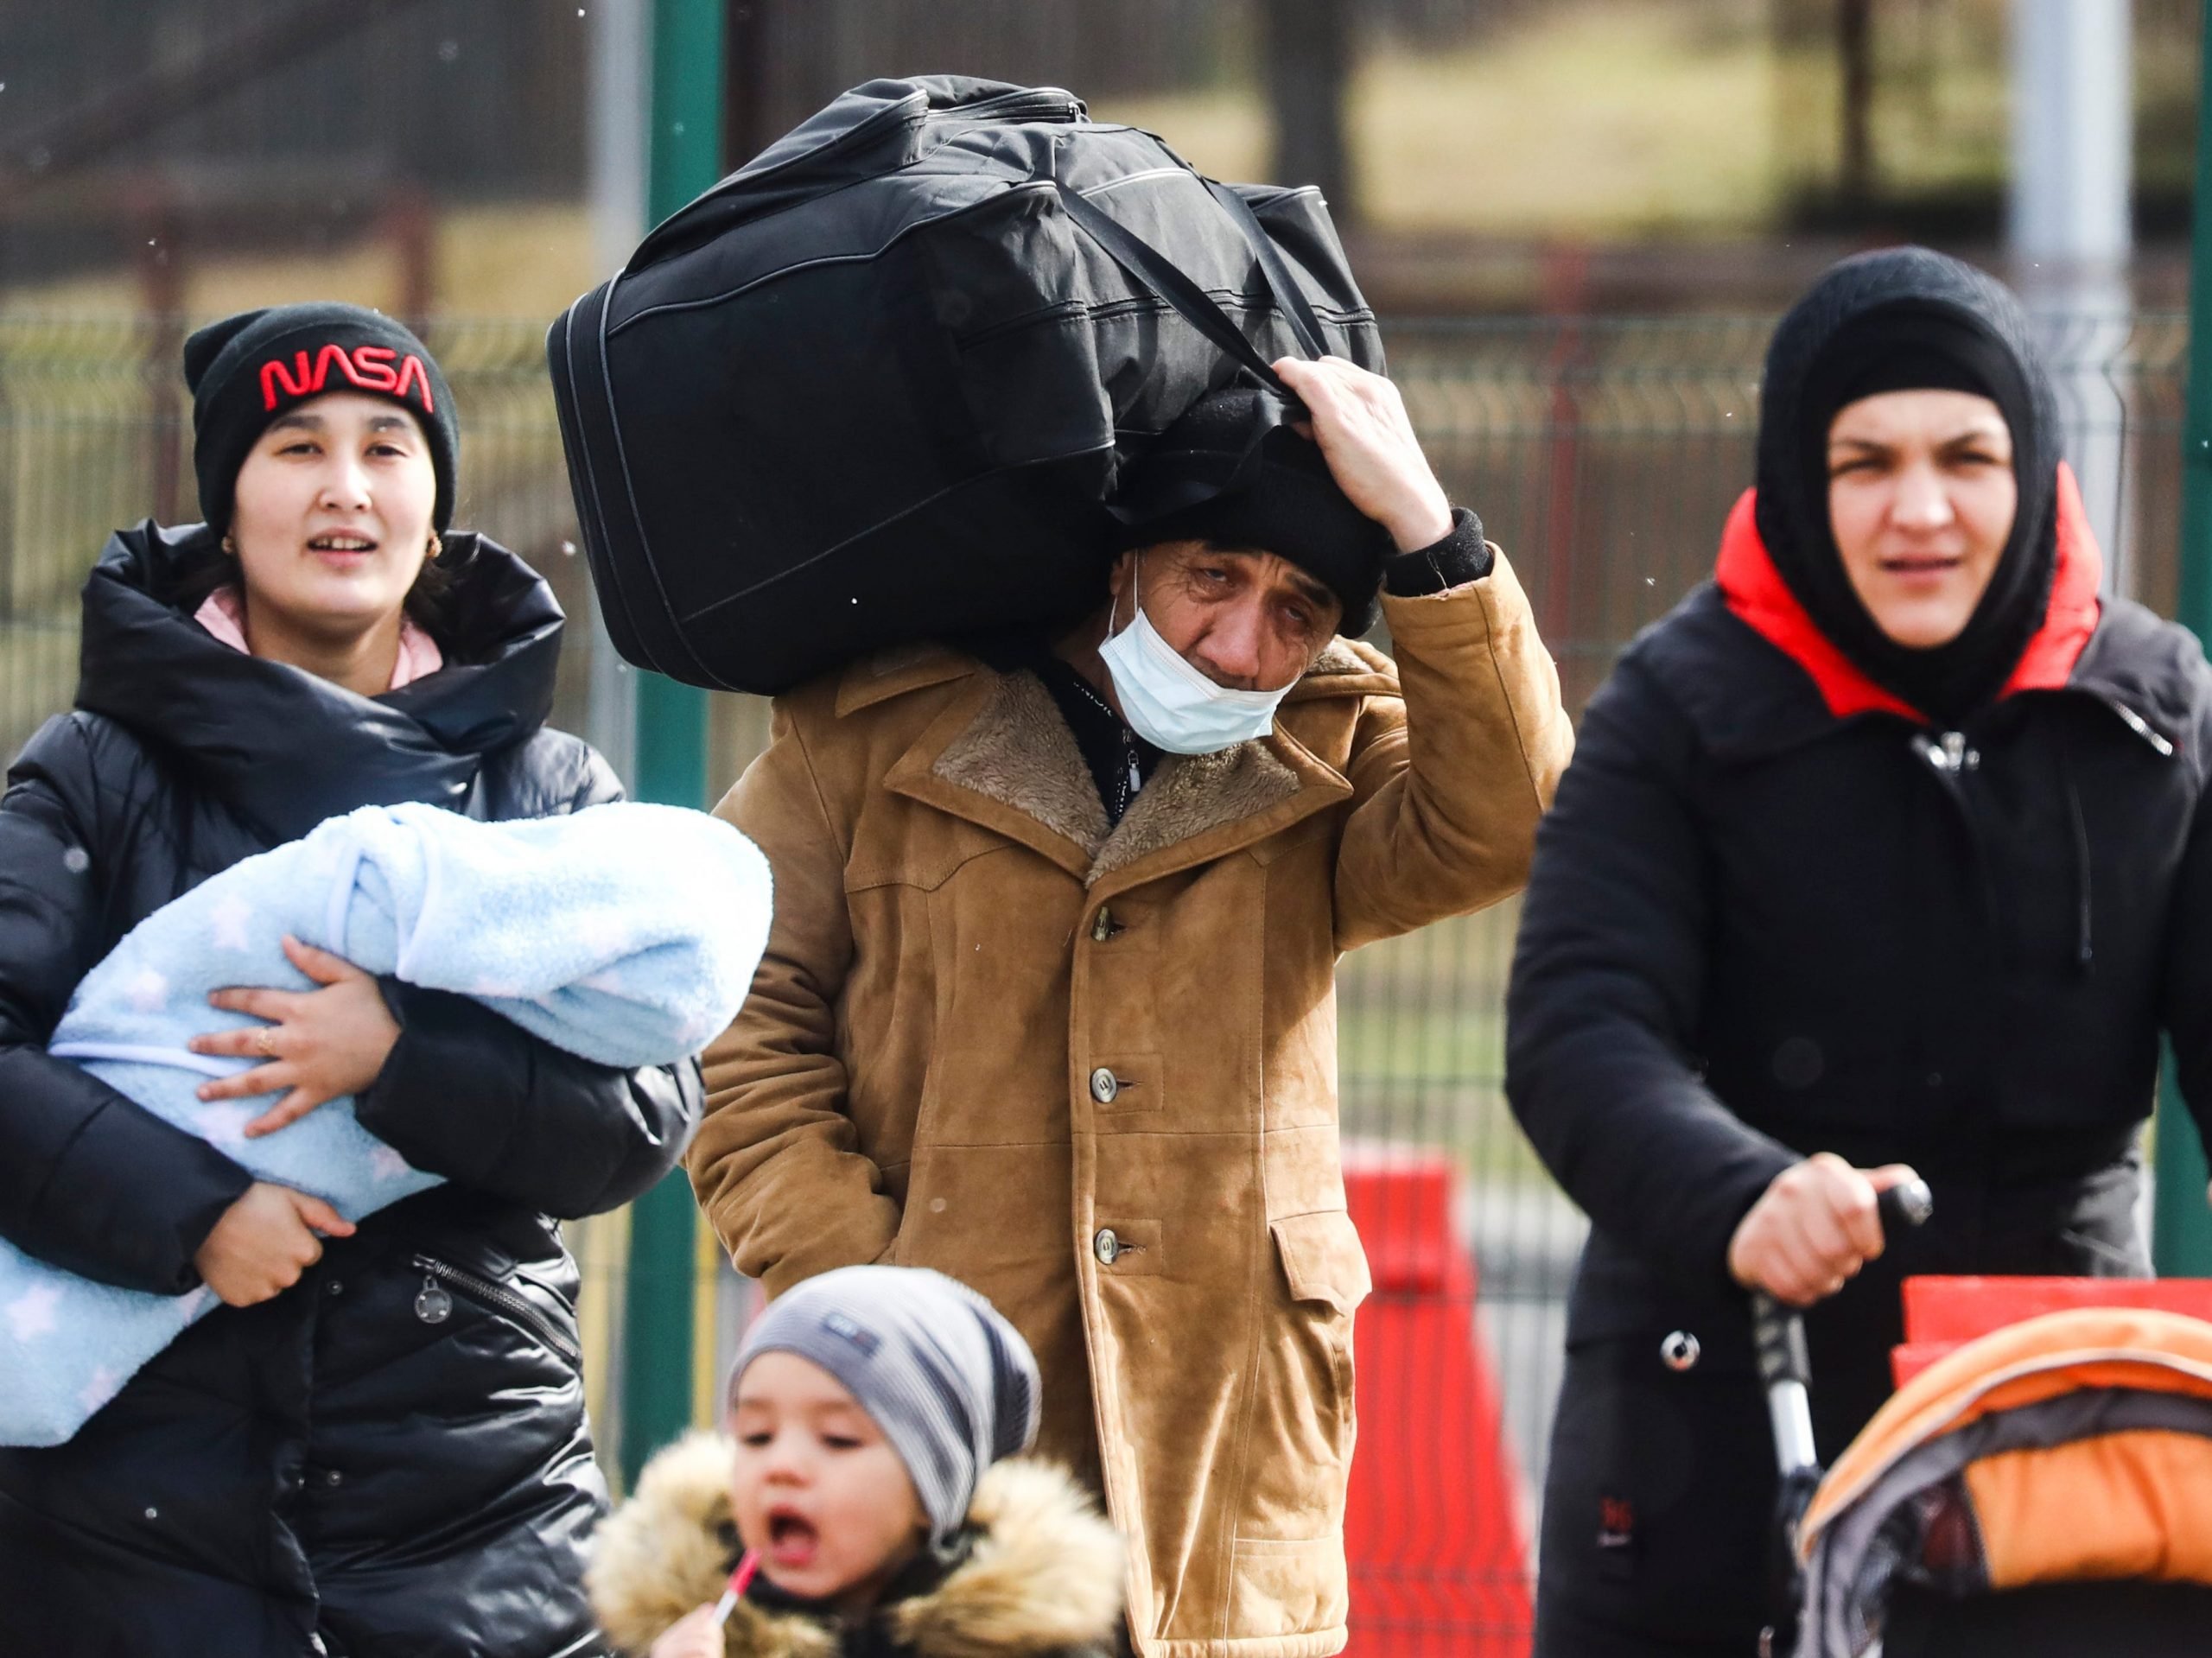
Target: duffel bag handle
[1290, 298]
[1171, 283]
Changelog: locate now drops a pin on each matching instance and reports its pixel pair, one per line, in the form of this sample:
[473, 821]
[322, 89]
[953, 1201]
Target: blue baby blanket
[626, 933]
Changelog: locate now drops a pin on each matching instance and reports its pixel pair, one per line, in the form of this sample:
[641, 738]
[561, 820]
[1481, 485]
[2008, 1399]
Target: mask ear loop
[1136, 596]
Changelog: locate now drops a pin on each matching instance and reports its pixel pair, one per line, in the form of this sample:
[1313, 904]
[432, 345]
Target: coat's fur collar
[1043, 1573]
[1343, 656]
[1019, 751]
[1190, 794]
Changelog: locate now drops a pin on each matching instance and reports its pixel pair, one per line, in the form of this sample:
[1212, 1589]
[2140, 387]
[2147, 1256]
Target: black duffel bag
[875, 387]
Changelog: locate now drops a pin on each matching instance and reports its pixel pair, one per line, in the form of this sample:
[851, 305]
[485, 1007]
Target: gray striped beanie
[949, 1381]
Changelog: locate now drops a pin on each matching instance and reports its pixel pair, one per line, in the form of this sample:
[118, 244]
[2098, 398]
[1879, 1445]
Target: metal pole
[2181, 1223]
[2073, 129]
[621, 93]
[621, 49]
[2072, 161]
[683, 157]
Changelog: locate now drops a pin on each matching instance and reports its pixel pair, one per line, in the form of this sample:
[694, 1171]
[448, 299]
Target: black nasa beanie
[248, 369]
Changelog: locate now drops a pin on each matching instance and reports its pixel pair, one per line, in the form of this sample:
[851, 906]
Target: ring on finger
[264, 1042]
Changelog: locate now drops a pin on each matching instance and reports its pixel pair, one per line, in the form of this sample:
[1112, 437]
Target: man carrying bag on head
[1049, 1002]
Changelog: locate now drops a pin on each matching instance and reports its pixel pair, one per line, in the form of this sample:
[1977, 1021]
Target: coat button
[333, 1477]
[1106, 1247]
[1102, 929]
[1104, 1085]
[1679, 1351]
[335, 1287]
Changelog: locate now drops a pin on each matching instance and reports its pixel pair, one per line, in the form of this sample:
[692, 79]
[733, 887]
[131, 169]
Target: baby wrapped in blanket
[625, 933]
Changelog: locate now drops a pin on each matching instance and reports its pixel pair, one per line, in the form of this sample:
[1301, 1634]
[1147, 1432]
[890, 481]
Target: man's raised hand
[1359, 420]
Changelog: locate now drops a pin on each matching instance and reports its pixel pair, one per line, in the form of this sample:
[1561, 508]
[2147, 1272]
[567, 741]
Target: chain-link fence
[1602, 454]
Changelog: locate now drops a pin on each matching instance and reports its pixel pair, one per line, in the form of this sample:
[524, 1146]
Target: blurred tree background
[1574, 216]
[1485, 156]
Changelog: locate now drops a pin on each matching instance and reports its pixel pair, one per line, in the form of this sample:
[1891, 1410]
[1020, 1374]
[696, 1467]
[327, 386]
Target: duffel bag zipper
[1023, 101]
[433, 1304]
[1021, 104]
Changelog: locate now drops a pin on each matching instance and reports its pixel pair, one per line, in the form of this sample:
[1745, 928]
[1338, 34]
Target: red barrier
[1942, 1314]
[1438, 1545]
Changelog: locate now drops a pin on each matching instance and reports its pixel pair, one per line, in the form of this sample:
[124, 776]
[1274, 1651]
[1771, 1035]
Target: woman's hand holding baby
[264, 1242]
[318, 1043]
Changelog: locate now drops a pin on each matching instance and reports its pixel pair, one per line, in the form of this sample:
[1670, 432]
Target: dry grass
[1608, 120]
[1598, 119]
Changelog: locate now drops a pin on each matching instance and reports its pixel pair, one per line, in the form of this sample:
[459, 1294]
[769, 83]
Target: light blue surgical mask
[1170, 703]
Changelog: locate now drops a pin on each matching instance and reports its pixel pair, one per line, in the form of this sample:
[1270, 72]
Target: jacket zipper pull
[1949, 754]
[433, 1305]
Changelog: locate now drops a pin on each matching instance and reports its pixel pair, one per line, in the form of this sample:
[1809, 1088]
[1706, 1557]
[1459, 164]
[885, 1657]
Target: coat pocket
[1658, 1500]
[1323, 1260]
[1324, 1266]
[1300, 1454]
[441, 1280]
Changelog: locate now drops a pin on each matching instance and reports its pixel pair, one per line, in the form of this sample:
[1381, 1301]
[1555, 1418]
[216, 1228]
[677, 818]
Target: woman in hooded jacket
[1885, 853]
[379, 1444]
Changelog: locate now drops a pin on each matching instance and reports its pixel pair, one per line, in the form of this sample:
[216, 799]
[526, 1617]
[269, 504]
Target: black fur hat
[1232, 472]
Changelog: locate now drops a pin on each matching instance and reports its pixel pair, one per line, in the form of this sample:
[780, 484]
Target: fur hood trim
[1043, 1575]
[668, 1548]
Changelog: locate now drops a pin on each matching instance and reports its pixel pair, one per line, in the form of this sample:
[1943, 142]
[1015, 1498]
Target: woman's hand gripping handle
[1778, 1334]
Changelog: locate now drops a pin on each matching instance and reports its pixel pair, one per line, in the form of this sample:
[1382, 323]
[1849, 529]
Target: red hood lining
[1756, 593]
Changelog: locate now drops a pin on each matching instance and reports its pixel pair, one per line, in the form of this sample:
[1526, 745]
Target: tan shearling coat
[1093, 1074]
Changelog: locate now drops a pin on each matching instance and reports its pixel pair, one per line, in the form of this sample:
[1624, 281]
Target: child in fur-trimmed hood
[861, 1497]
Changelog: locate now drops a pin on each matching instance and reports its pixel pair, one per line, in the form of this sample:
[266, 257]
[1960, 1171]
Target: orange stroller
[2046, 1489]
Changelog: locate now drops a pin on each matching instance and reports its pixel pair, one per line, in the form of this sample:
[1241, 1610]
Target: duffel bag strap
[1290, 298]
[1167, 280]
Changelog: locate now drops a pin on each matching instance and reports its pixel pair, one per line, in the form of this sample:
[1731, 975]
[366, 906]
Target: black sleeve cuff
[450, 1097]
[1460, 558]
[472, 1096]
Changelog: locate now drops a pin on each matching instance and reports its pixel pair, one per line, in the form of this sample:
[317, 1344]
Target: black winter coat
[392, 1457]
[1755, 930]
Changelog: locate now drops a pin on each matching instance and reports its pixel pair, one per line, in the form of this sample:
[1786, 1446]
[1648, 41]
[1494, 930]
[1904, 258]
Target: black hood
[1863, 327]
[286, 749]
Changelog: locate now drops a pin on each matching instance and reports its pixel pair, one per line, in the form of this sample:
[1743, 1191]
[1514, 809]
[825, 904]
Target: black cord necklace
[1132, 776]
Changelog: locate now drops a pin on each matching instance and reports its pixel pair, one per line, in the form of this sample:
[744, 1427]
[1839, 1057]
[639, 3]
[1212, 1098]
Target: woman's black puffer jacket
[392, 1457]
[1755, 930]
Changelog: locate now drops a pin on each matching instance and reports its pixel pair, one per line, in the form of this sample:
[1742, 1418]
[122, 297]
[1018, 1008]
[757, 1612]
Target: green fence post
[2181, 1225]
[683, 157]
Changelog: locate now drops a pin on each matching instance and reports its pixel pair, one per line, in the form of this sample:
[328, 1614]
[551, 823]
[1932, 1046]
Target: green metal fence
[1602, 454]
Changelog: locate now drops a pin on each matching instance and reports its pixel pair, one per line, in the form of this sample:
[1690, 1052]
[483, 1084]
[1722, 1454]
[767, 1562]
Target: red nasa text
[372, 368]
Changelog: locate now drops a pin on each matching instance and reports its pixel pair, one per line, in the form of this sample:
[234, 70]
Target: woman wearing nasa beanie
[377, 1445]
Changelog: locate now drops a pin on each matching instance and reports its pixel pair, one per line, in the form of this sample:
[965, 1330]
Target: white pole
[2072, 145]
[621, 64]
[2073, 131]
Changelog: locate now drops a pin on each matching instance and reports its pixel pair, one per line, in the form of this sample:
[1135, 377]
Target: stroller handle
[1778, 1337]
